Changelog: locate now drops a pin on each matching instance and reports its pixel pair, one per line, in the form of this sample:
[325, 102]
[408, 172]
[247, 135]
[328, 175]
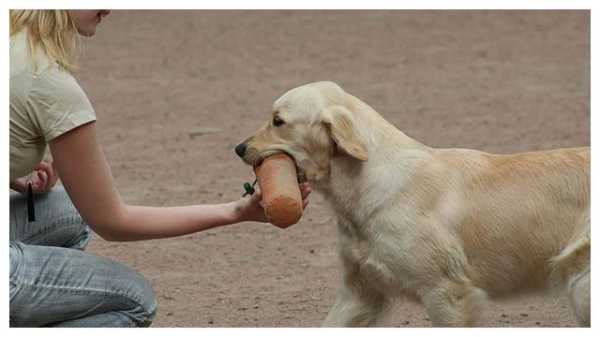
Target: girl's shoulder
[24, 61]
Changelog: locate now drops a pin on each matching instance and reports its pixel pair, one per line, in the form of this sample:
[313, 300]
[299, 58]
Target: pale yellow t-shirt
[45, 102]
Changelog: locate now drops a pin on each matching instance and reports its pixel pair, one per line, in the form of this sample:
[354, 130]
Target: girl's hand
[43, 178]
[250, 209]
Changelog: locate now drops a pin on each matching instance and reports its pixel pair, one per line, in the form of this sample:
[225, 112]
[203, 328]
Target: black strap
[30, 207]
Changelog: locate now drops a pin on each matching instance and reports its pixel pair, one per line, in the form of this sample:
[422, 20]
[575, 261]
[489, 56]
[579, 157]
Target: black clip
[249, 188]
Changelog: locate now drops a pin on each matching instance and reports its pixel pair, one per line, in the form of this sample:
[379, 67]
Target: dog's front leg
[355, 307]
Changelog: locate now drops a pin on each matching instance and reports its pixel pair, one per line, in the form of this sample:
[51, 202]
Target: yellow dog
[447, 227]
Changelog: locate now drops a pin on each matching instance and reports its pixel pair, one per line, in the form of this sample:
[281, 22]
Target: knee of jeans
[81, 238]
[144, 310]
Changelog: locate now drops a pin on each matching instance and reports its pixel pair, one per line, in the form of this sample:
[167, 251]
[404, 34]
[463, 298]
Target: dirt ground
[175, 91]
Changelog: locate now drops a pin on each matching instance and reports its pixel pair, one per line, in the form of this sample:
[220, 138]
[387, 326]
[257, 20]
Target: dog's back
[517, 212]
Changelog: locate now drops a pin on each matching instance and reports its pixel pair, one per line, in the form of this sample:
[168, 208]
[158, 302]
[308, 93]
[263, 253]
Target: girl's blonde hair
[51, 31]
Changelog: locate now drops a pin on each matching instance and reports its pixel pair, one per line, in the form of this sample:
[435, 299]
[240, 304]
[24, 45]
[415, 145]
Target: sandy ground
[175, 91]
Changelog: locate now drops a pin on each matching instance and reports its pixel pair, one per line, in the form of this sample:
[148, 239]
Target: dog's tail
[574, 259]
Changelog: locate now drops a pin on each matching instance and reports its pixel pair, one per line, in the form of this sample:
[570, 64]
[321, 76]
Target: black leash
[30, 206]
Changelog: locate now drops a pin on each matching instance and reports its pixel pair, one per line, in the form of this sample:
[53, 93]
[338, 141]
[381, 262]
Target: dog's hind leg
[356, 305]
[453, 303]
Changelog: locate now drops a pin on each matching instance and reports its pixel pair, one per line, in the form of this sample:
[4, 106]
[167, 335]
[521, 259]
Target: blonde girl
[53, 282]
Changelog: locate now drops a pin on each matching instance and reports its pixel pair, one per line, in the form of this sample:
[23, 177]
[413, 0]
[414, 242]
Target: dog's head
[312, 124]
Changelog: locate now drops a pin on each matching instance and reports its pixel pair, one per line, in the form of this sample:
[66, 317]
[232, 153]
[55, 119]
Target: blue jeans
[53, 282]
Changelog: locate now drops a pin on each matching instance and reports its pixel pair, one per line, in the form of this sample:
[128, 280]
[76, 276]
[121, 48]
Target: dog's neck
[375, 130]
[393, 157]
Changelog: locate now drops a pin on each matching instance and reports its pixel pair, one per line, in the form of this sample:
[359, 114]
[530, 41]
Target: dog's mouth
[300, 174]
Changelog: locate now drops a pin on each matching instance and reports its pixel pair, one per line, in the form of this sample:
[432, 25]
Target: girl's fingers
[42, 179]
[48, 168]
[43, 175]
[46, 176]
[37, 183]
[258, 198]
[305, 190]
[45, 167]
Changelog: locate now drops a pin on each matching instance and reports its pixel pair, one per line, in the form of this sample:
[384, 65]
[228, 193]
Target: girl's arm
[86, 176]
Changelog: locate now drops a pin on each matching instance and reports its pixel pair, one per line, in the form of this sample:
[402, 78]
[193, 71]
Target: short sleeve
[58, 103]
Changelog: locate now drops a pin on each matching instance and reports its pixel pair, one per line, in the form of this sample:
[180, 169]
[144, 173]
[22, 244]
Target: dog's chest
[364, 259]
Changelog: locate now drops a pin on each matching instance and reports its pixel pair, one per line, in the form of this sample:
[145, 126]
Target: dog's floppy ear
[343, 131]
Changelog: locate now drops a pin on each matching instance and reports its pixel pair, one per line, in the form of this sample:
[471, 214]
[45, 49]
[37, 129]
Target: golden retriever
[447, 227]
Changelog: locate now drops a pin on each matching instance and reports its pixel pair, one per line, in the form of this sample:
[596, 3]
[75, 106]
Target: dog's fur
[448, 227]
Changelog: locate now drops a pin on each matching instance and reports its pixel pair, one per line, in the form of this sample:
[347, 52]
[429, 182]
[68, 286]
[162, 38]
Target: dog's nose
[241, 149]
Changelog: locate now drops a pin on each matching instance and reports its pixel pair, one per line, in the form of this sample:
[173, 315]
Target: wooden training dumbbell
[281, 197]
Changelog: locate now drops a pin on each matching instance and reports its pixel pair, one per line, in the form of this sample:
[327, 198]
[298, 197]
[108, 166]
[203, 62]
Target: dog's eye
[278, 121]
